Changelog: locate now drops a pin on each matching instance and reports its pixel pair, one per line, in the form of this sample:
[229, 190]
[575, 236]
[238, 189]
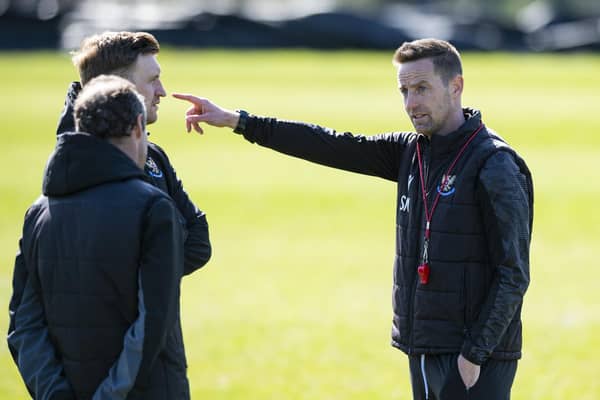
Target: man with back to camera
[464, 219]
[96, 312]
[131, 55]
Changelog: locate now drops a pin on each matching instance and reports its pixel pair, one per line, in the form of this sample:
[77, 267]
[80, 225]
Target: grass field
[296, 301]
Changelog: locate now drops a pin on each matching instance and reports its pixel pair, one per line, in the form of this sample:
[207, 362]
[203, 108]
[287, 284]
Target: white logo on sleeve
[404, 205]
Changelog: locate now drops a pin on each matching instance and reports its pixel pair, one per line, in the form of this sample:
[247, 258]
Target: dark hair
[108, 106]
[112, 53]
[445, 57]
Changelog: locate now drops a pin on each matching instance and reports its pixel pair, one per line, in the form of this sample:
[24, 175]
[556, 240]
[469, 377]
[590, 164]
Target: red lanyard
[423, 269]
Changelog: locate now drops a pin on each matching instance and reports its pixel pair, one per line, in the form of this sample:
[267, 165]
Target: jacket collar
[443, 144]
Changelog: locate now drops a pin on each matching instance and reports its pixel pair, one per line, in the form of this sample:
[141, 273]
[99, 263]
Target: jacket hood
[81, 161]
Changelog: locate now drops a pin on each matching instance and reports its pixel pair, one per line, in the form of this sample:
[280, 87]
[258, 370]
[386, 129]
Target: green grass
[296, 302]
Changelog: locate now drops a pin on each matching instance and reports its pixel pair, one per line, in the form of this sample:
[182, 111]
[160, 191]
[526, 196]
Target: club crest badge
[446, 186]
[153, 169]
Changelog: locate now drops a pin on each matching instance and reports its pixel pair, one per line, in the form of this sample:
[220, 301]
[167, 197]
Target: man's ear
[456, 86]
[138, 130]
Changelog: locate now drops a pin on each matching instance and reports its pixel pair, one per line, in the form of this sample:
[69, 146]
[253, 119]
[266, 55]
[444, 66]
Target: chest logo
[153, 169]
[446, 186]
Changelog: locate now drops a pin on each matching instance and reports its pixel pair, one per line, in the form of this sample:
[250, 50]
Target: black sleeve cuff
[242, 122]
[469, 352]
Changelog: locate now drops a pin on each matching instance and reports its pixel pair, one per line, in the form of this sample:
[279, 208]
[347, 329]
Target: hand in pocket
[468, 371]
[453, 387]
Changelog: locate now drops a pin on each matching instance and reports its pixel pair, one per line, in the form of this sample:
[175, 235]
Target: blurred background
[519, 25]
[296, 300]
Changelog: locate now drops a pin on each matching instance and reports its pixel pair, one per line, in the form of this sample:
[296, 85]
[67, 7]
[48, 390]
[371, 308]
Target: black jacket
[160, 173]
[159, 169]
[481, 230]
[103, 255]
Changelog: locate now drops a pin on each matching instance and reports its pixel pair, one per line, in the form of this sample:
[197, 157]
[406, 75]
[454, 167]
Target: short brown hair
[445, 57]
[112, 53]
[108, 106]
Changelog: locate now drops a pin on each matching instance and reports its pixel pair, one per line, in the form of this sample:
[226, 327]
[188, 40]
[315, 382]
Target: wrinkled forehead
[412, 72]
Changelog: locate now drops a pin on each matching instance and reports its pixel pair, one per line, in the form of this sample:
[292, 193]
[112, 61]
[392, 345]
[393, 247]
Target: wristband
[241, 125]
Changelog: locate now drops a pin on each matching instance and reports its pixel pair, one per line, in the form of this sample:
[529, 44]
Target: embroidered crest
[152, 168]
[446, 186]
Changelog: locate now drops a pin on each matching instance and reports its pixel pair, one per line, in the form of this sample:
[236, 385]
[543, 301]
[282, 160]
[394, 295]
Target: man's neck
[455, 121]
[127, 146]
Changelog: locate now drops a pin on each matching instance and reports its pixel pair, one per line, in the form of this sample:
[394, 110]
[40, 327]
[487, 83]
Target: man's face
[427, 100]
[145, 75]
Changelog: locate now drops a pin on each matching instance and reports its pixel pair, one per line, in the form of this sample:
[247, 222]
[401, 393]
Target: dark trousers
[437, 378]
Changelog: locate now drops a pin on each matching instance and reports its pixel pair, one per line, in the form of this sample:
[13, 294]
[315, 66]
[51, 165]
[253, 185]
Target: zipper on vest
[419, 243]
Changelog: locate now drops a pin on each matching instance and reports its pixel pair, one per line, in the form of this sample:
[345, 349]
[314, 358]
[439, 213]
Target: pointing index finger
[188, 97]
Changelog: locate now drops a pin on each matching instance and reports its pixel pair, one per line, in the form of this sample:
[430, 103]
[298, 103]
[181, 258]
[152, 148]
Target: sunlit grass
[296, 302]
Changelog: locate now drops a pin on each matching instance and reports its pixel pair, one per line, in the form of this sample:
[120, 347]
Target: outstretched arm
[378, 155]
